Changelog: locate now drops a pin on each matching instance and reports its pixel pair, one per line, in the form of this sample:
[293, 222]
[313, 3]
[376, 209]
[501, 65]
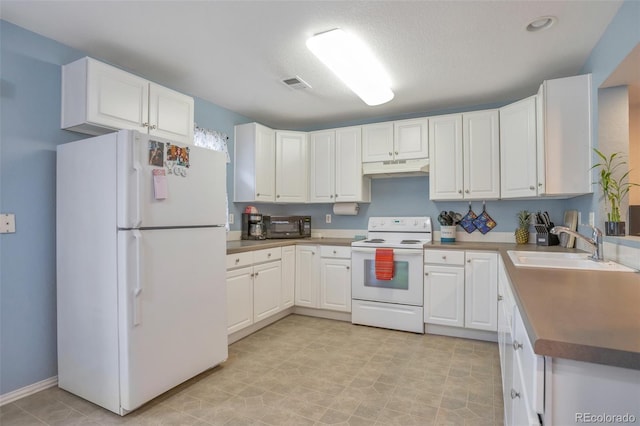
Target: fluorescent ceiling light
[353, 63]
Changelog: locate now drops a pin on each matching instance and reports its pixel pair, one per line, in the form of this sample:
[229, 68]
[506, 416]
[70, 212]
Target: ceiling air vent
[296, 83]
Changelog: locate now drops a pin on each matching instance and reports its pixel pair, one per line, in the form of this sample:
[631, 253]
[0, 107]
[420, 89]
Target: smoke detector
[296, 83]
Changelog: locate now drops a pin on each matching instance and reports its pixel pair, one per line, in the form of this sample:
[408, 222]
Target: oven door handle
[395, 251]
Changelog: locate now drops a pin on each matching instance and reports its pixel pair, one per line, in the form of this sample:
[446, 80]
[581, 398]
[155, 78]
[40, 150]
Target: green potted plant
[615, 185]
[522, 232]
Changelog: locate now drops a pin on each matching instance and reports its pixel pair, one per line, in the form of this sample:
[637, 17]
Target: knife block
[544, 237]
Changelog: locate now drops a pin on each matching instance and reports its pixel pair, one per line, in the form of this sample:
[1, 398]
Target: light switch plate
[327, 218]
[231, 218]
[7, 223]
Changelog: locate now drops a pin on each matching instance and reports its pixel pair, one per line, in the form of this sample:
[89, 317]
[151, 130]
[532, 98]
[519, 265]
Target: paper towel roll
[346, 209]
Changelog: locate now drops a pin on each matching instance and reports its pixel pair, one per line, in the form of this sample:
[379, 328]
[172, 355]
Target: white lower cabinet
[287, 289]
[267, 279]
[461, 289]
[254, 292]
[335, 278]
[239, 299]
[323, 277]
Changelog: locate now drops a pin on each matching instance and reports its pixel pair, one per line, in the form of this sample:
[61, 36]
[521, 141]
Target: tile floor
[311, 371]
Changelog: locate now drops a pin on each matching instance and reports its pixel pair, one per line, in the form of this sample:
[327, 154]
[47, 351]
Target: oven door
[405, 288]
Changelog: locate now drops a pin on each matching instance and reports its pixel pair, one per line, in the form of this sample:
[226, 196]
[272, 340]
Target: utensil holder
[447, 234]
[544, 237]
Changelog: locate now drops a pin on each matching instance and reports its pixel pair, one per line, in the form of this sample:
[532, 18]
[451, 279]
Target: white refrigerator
[141, 246]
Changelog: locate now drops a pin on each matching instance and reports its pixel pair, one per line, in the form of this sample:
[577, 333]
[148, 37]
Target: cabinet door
[518, 149]
[481, 291]
[377, 142]
[481, 154]
[291, 167]
[565, 161]
[411, 139]
[335, 284]
[350, 185]
[322, 166]
[170, 114]
[287, 287]
[445, 148]
[265, 164]
[239, 299]
[115, 98]
[266, 289]
[444, 295]
[307, 272]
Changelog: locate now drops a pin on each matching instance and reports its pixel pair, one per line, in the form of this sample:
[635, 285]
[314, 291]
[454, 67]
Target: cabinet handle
[396, 152]
[313, 253]
[334, 252]
[278, 196]
[145, 124]
[532, 187]
[514, 394]
[459, 191]
[426, 274]
[153, 127]
[237, 260]
[444, 257]
[348, 267]
[516, 345]
[539, 183]
[252, 275]
[499, 297]
[331, 196]
[390, 153]
[256, 274]
[258, 194]
[336, 196]
[466, 191]
[468, 260]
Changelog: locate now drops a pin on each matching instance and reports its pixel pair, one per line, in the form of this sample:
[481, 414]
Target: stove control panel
[400, 224]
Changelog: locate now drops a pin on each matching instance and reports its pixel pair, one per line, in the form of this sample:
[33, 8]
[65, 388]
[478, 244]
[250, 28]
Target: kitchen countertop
[588, 316]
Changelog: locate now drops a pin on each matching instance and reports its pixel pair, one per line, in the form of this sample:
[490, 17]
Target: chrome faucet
[595, 241]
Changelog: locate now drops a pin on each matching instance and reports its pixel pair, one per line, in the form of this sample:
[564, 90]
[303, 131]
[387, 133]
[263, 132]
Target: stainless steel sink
[538, 259]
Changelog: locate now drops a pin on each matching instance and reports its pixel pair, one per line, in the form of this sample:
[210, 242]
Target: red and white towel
[384, 264]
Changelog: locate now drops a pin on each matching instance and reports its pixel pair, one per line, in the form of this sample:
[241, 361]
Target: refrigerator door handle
[137, 167]
[137, 290]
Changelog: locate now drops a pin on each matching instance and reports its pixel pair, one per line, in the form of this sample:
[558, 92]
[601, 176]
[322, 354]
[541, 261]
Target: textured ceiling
[439, 54]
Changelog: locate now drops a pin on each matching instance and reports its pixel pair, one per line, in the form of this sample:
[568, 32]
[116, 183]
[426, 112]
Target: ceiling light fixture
[354, 64]
[541, 23]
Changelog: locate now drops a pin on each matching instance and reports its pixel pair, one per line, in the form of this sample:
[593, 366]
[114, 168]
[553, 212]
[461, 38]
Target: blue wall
[620, 38]
[29, 134]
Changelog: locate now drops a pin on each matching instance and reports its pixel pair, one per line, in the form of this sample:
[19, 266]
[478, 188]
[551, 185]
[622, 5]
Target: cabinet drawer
[444, 257]
[267, 255]
[239, 259]
[532, 365]
[335, 251]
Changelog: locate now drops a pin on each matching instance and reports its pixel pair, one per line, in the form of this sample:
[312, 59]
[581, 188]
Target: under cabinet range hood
[396, 168]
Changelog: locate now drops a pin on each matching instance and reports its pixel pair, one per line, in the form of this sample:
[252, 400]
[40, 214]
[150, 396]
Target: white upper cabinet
[395, 140]
[335, 167]
[98, 98]
[481, 154]
[465, 155]
[445, 147]
[545, 141]
[255, 163]
[518, 162]
[291, 167]
[564, 154]
[411, 139]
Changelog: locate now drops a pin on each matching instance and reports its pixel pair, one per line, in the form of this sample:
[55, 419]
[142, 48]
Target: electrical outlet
[232, 218]
[7, 223]
[327, 218]
[592, 219]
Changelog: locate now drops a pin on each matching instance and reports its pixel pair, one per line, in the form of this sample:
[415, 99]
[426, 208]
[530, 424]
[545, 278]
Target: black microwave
[287, 226]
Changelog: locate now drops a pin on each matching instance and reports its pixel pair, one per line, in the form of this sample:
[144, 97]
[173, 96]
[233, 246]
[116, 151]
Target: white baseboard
[322, 313]
[28, 390]
[465, 333]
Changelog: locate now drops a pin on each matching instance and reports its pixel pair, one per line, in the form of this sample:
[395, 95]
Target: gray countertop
[588, 316]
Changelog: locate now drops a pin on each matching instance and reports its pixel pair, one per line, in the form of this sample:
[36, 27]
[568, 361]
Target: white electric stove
[396, 303]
